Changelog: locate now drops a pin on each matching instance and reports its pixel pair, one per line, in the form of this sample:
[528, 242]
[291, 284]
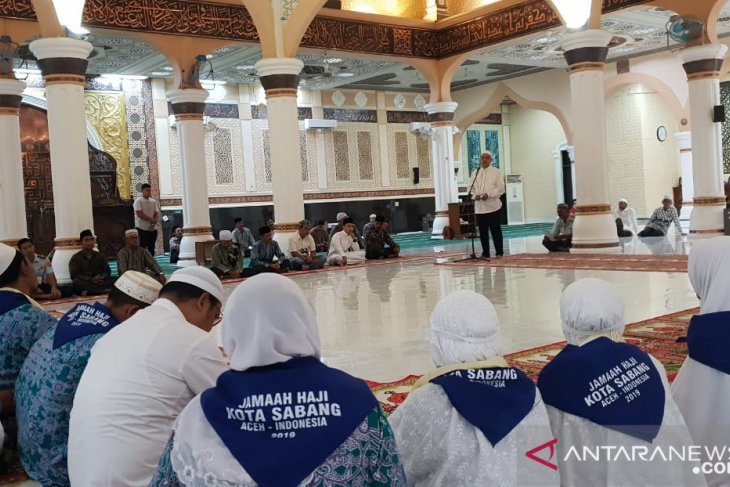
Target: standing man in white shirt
[146, 216]
[486, 187]
[626, 224]
[138, 379]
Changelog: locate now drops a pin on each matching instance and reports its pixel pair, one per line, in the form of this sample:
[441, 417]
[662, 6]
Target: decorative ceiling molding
[222, 21]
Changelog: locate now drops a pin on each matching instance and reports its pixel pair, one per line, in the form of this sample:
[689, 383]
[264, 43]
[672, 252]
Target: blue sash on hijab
[9, 300]
[281, 422]
[615, 385]
[708, 340]
[83, 319]
[495, 400]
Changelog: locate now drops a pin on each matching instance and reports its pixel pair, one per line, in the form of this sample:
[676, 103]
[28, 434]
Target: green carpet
[407, 241]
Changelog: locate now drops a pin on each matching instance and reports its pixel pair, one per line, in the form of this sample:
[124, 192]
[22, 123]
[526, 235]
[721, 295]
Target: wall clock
[661, 133]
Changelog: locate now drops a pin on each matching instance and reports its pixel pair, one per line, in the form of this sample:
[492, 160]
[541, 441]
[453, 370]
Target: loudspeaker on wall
[718, 113]
[416, 175]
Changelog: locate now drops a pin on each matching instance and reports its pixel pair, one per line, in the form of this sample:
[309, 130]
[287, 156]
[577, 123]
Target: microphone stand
[472, 221]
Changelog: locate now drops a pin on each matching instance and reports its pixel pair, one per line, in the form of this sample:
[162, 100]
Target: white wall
[534, 135]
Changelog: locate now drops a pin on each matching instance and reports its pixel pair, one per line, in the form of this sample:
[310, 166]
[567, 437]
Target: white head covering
[139, 286]
[591, 307]
[130, 232]
[667, 197]
[202, 278]
[464, 328]
[623, 200]
[709, 262]
[489, 152]
[268, 320]
[7, 254]
[225, 235]
[373, 215]
[341, 215]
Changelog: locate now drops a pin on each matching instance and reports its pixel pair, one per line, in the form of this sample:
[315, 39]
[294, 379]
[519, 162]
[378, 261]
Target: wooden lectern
[462, 221]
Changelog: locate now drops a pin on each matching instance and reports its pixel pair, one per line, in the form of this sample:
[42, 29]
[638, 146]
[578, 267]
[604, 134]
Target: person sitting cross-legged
[48, 287]
[321, 237]
[266, 255]
[175, 241]
[303, 250]
[227, 258]
[344, 248]
[136, 258]
[561, 237]
[89, 269]
[47, 382]
[376, 239]
[474, 406]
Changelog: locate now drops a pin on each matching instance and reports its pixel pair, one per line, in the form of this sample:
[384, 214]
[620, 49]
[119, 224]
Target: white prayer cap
[591, 307]
[464, 328]
[708, 264]
[489, 153]
[341, 216]
[268, 320]
[202, 278]
[225, 235]
[623, 200]
[139, 286]
[131, 232]
[667, 198]
[7, 255]
[373, 215]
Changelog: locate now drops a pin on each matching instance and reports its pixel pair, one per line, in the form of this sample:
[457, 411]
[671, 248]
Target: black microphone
[476, 175]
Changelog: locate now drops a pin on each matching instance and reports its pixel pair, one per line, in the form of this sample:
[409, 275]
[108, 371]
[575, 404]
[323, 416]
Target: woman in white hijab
[702, 386]
[280, 417]
[602, 393]
[471, 421]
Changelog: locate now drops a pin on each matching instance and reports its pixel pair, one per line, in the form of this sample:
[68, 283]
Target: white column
[702, 65]
[188, 107]
[441, 116]
[684, 142]
[594, 228]
[280, 79]
[63, 64]
[13, 225]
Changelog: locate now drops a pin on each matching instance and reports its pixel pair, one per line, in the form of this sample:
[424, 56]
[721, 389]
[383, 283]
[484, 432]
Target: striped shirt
[661, 219]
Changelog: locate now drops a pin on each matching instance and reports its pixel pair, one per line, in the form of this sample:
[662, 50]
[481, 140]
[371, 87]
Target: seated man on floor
[136, 258]
[175, 240]
[376, 239]
[561, 236]
[344, 248]
[48, 287]
[321, 237]
[341, 216]
[47, 382]
[303, 251]
[242, 237]
[625, 218]
[227, 258]
[660, 220]
[89, 269]
[266, 255]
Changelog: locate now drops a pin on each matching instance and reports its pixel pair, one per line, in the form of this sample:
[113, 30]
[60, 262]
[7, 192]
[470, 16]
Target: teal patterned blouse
[19, 330]
[44, 394]
[368, 457]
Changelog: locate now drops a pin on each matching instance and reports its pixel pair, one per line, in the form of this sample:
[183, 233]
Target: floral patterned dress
[44, 394]
[19, 329]
[369, 457]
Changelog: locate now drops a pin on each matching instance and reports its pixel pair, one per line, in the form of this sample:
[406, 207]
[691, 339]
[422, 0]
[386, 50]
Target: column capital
[441, 107]
[62, 60]
[684, 141]
[586, 50]
[279, 76]
[10, 96]
[702, 62]
[187, 104]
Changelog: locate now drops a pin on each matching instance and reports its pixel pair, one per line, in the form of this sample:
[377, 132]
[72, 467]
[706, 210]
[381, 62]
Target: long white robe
[701, 393]
[439, 447]
[342, 245]
[578, 432]
[138, 379]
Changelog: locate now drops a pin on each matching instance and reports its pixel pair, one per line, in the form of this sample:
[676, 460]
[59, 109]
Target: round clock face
[661, 133]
